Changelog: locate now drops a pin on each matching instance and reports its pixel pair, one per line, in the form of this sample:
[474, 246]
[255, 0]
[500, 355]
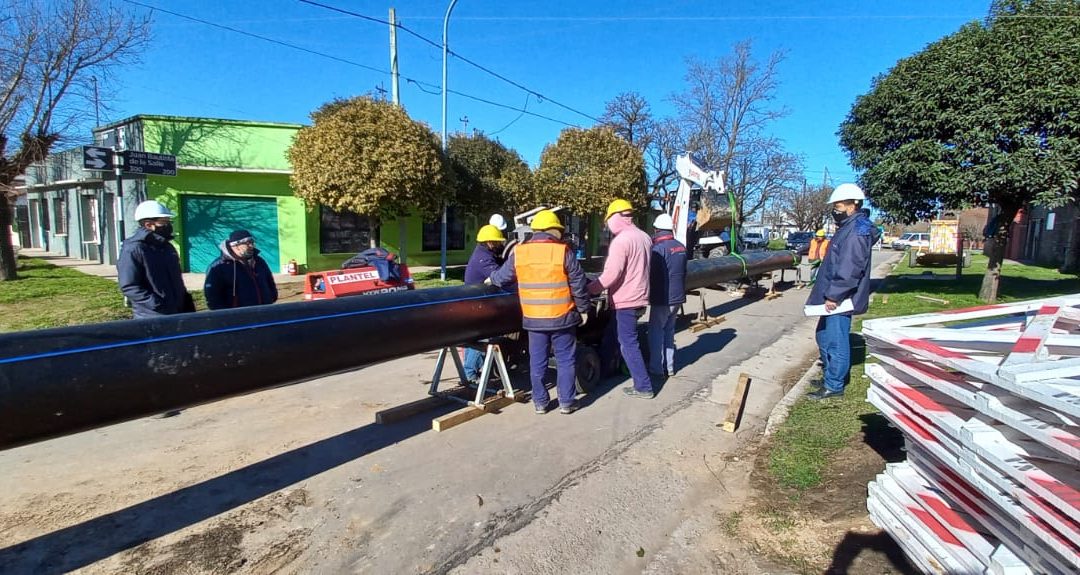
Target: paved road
[300, 479]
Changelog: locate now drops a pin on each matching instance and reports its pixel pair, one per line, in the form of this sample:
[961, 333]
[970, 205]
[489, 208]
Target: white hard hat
[498, 221]
[151, 210]
[846, 192]
[663, 222]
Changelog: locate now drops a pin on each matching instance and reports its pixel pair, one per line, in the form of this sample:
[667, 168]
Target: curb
[780, 411]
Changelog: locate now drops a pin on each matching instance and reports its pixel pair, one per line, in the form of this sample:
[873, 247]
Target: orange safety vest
[543, 285]
[818, 249]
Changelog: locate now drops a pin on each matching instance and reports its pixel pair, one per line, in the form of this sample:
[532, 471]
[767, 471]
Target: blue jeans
[833, 332]
[662, 338]
[564, 344]
[474, 362]
[622, 333]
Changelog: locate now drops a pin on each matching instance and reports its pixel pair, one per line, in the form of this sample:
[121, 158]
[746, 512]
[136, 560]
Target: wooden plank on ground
[469, 413]
[735, 407]
[405, 411]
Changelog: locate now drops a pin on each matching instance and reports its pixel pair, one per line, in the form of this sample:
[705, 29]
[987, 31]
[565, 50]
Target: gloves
[487, 281]
[584, 320]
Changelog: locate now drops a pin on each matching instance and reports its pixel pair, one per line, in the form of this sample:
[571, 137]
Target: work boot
[824, 394]
[639, 394]
[542, 409]
[568, 409]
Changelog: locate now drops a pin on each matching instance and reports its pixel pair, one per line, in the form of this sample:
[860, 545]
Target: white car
[912, 240]
[754, 240]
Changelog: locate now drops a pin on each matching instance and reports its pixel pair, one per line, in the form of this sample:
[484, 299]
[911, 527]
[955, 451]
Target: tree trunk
[8, 264]
[995, 250]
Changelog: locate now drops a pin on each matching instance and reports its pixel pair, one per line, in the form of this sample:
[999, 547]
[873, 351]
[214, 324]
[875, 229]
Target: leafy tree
[488, 176]
[370, 158]
[586, 169]
[50, 55]
[986, 115]
[725, 113]
[806, 207]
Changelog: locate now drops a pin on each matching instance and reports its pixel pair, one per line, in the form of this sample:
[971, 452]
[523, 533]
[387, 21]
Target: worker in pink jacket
[626, 277]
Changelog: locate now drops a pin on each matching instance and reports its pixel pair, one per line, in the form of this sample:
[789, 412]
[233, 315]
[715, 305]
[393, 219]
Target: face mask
[165, 231]
[839, 217]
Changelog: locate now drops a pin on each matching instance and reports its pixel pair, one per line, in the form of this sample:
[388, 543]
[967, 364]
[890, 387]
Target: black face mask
[840, 217]
[165, 231]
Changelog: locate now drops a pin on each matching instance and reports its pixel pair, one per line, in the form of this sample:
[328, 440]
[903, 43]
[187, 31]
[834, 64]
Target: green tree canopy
[488, 176]
[370, 158]
[586, 169]
[987, 115]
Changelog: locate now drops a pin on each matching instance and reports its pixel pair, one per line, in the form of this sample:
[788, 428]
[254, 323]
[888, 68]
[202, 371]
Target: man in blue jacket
[482, 263]
[843, 274]
[148, 268]
[667, 292]
[239, 277]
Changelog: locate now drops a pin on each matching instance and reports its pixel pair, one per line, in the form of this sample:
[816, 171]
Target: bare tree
[724, 115]
[50, 54]
[630, 116]
[806, 207]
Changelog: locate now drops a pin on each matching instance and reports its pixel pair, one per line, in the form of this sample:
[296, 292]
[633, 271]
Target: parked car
[912, 240]
[799, 242]
[754, 240]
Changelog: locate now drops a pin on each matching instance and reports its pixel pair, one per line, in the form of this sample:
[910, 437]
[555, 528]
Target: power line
[461, 57]
[263, 38]
[418, 83]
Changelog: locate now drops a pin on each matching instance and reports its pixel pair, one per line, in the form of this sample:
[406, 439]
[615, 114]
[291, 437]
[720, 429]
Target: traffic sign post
[98, 158]
[149, 163]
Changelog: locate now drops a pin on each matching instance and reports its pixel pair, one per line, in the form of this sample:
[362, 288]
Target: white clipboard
[819, 310]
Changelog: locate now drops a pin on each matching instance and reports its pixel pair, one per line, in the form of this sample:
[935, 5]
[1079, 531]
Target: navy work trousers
[564, 344]
[624, 331]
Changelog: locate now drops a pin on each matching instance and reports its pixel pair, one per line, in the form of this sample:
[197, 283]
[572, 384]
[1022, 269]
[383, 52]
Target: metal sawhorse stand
[492, 358]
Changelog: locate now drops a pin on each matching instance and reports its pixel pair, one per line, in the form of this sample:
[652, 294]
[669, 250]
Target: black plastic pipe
[60, 381]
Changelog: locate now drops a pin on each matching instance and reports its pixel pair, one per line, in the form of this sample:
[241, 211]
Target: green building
[230, 174]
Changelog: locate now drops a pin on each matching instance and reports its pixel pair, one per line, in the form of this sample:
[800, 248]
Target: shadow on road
[82, 544]
[853, 544]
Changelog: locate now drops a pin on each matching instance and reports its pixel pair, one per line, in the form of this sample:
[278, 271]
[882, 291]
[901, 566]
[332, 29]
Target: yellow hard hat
[820, 233]
[490, 233]
[545, 220]
[617, 206]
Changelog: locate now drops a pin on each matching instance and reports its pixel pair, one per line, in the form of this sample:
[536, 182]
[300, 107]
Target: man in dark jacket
[554, 302]
[148, 268]
[239, 277]
[844, 274]
[482, 263]
[667, 292]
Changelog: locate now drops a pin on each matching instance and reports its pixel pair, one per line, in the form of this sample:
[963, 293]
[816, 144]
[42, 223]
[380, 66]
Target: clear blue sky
[579, 53]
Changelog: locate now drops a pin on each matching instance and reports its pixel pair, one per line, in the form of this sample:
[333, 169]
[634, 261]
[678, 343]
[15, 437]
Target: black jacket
[148, 271]
[238, 283]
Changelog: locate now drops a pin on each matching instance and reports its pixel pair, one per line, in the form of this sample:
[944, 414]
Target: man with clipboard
[842, 288]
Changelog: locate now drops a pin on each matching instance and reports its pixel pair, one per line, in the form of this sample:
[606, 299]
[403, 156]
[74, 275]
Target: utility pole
[445, 30]
[396, 99]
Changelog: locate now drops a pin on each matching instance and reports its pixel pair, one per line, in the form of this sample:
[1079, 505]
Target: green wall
[390, 240]
[220, 143]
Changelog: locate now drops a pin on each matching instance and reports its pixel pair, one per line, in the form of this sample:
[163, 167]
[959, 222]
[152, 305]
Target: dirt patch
[824, 529]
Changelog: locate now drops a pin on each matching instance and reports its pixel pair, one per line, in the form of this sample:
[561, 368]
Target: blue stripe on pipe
[237, 328]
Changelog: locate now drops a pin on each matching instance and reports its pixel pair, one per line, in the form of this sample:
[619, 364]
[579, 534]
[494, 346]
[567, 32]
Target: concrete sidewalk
[192, 281]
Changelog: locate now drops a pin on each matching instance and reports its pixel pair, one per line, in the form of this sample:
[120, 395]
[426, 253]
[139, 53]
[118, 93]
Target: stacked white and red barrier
[988, 400]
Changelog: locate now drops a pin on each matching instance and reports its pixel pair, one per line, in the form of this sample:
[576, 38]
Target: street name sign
[97, 158]
[149, 163]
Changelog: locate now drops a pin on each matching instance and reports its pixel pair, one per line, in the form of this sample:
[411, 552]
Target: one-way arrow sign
[97, 158]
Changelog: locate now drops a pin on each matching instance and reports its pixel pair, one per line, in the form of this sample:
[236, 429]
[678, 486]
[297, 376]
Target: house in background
[230, 174]
[1050, 237]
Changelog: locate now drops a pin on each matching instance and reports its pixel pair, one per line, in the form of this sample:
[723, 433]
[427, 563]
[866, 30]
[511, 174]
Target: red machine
[332, 284]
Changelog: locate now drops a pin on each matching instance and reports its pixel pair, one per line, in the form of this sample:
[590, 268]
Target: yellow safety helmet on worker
[545, 220]
[820, 233]
[617, 207]
[490, 233]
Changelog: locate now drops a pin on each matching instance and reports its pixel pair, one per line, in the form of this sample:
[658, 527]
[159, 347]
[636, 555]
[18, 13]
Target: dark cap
[239, 236]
